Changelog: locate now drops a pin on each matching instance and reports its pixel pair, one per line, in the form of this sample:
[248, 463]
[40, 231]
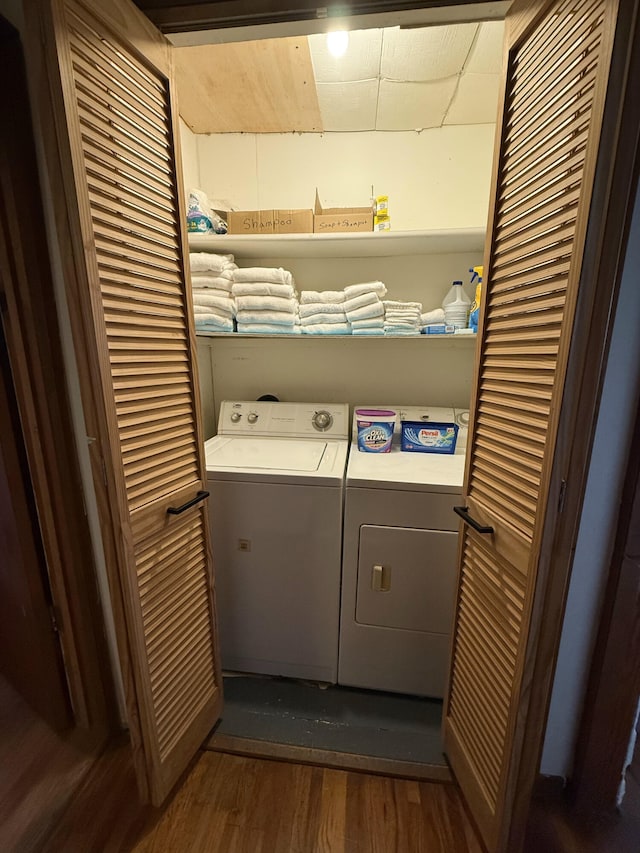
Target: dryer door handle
[381, 579]
[463, 512]
[176, 510]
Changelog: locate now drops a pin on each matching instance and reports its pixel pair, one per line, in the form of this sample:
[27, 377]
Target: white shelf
[358, 245]
[231, 336]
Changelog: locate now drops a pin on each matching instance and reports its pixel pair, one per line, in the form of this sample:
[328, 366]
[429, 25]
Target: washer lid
[267, 454]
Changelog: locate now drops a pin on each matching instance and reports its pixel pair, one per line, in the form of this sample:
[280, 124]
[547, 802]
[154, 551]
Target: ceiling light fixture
[337, 42]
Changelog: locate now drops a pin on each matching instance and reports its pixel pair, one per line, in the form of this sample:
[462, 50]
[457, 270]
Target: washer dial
[322, 420]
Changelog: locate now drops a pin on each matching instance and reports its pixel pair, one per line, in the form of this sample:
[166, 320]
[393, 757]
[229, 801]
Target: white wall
[438, 178]
[614, 434]
[435, 179]
[190, 163]
[413, 371]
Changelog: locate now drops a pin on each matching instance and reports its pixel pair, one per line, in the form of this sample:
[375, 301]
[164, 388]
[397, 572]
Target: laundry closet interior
[363, 593]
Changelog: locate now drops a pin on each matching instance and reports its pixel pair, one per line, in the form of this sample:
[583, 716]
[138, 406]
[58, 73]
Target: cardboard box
[250, 222]
[270, 221]
[293, 221]
[335, 220]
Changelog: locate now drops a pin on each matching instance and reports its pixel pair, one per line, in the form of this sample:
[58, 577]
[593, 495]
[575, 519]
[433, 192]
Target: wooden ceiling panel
[253, 87]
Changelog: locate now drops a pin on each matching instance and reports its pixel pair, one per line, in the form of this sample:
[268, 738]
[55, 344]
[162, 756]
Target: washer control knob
[322, 420]
[235, 417]
[252, 417]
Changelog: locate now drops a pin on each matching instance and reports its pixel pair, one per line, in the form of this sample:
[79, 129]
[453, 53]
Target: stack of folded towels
[211, 281]
[364, 308]
[402, 318]
[323, 313]
[266, 301]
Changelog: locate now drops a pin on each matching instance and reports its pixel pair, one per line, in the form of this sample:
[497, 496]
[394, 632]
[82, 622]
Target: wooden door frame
[613, 688]
[35, 352]
[173, 17]
[607, 232]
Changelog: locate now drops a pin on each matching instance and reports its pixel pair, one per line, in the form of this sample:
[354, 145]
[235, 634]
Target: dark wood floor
[229, 804]
[39, 769]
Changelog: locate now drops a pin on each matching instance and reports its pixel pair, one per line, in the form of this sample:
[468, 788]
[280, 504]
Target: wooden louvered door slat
[557, 64]
[120, 128]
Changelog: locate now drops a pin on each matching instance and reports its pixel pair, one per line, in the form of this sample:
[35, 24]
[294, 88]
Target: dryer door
[406, 578]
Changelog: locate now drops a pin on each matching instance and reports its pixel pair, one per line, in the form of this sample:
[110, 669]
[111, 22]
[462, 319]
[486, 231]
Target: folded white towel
[396, 312]
[209, 262]
[215, 282]
[432, 318]
[267, 329]
[265, 274]
[262, 288]
[311, 308]
[201, 304]
[367, 311]
[315, 319]
[352, 305]
[227, 273]
[399, 332]
[403, 306]
[212, 327]
[327, 329]
[402, 318]
[368, 323]
[405, 327]
[372, 331]
[266, 303]
[199, 292]
[278, 318]
[212, 317]
[353, 290]
[322, 296]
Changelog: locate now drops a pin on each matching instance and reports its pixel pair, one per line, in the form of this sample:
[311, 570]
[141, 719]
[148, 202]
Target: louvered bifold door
[120, 126]
[556, 68]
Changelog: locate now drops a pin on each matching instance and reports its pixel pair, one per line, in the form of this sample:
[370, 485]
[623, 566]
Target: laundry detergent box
[429, 437]
[375, 429]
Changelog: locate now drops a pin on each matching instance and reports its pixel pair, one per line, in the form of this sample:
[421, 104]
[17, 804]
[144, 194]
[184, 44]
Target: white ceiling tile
[476, 100]
[360, 62]
[348, 106]
[486, 54]
[427, 53]
[412, 106]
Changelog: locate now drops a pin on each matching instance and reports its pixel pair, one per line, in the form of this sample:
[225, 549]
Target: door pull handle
[176, 510]
[463, 512]
[381, 579]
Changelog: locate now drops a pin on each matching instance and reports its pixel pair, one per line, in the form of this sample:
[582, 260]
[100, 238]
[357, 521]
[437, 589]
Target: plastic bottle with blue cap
[456, 307]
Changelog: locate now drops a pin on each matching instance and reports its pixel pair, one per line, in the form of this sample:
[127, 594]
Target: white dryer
[275, 472]
[400, 562]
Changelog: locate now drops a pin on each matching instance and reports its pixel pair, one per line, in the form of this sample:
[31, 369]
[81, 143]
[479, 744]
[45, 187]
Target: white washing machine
[400, 562]
[275, 472]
